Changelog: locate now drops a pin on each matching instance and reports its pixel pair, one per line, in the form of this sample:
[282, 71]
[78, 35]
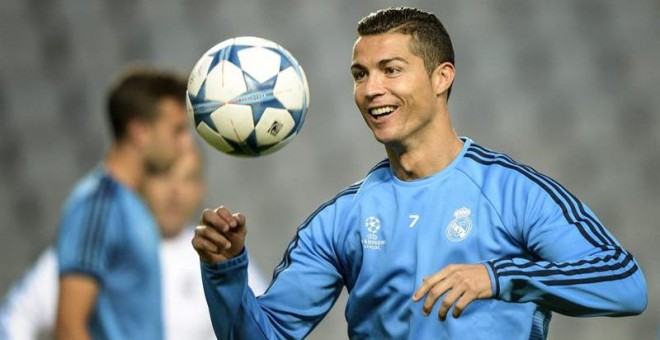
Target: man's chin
[384, 139]
[172, 231]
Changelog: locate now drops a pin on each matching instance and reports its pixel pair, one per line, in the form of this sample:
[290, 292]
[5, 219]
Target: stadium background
[568, 87]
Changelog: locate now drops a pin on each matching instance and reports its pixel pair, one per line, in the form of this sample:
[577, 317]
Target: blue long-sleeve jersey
[544, 250]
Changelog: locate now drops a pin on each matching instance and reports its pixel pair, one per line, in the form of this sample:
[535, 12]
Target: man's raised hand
[220, 235]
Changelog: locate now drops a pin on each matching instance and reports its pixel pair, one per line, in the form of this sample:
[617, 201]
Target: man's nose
[374, 86]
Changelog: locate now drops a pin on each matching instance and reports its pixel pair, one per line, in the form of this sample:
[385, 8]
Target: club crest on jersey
[371, 241]
[460, 227]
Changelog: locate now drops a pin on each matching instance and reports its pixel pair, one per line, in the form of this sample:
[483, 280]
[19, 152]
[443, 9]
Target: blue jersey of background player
[443, 225]
[107, 244]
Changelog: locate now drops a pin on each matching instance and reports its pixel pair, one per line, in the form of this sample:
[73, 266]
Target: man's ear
[138, 132]
[442, 78]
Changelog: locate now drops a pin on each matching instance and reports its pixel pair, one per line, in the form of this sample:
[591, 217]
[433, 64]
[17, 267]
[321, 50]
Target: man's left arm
[574, 265]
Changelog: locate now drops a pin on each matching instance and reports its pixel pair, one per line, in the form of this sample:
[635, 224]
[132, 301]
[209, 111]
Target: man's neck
[125, 165]
[425, 157]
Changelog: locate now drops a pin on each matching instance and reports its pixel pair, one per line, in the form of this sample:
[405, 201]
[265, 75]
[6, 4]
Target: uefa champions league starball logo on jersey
[372, 224]
[460, 227]
[371, 241]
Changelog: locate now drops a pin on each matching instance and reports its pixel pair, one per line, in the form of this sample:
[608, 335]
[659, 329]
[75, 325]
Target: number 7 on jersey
[413, 220]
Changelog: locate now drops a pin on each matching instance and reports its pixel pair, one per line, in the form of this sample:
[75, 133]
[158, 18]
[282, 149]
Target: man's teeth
[382, 110]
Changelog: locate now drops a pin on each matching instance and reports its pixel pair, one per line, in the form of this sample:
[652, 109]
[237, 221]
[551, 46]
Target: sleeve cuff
[82, 272]
[235, 263]
[494, 280]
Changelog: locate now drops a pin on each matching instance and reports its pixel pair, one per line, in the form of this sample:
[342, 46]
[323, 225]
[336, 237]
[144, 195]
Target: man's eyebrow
[357, 66]
[381, 63]
[388, 60]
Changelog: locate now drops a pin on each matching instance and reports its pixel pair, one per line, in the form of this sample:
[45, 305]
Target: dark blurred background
[571, 88]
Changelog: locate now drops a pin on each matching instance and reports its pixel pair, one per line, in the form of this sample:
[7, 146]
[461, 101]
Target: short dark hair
[430, 40]
[137, 91]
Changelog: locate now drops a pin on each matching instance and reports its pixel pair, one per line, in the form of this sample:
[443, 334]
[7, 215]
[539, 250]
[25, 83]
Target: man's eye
[391, 70]
[357, 75]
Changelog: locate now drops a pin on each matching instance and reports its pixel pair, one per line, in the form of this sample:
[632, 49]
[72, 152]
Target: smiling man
[441, 227]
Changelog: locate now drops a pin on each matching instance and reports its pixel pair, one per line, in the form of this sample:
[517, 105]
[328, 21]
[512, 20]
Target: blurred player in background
[443, 226]
[174, 197]
[108, 241]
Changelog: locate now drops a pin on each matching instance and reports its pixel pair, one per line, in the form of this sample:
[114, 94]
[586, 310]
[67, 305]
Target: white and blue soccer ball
[247, 96]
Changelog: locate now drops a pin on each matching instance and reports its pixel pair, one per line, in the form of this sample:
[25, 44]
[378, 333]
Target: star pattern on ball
[259, 95]
[203, 108]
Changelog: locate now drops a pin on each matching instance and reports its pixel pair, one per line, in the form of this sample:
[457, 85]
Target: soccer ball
[247, 96]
